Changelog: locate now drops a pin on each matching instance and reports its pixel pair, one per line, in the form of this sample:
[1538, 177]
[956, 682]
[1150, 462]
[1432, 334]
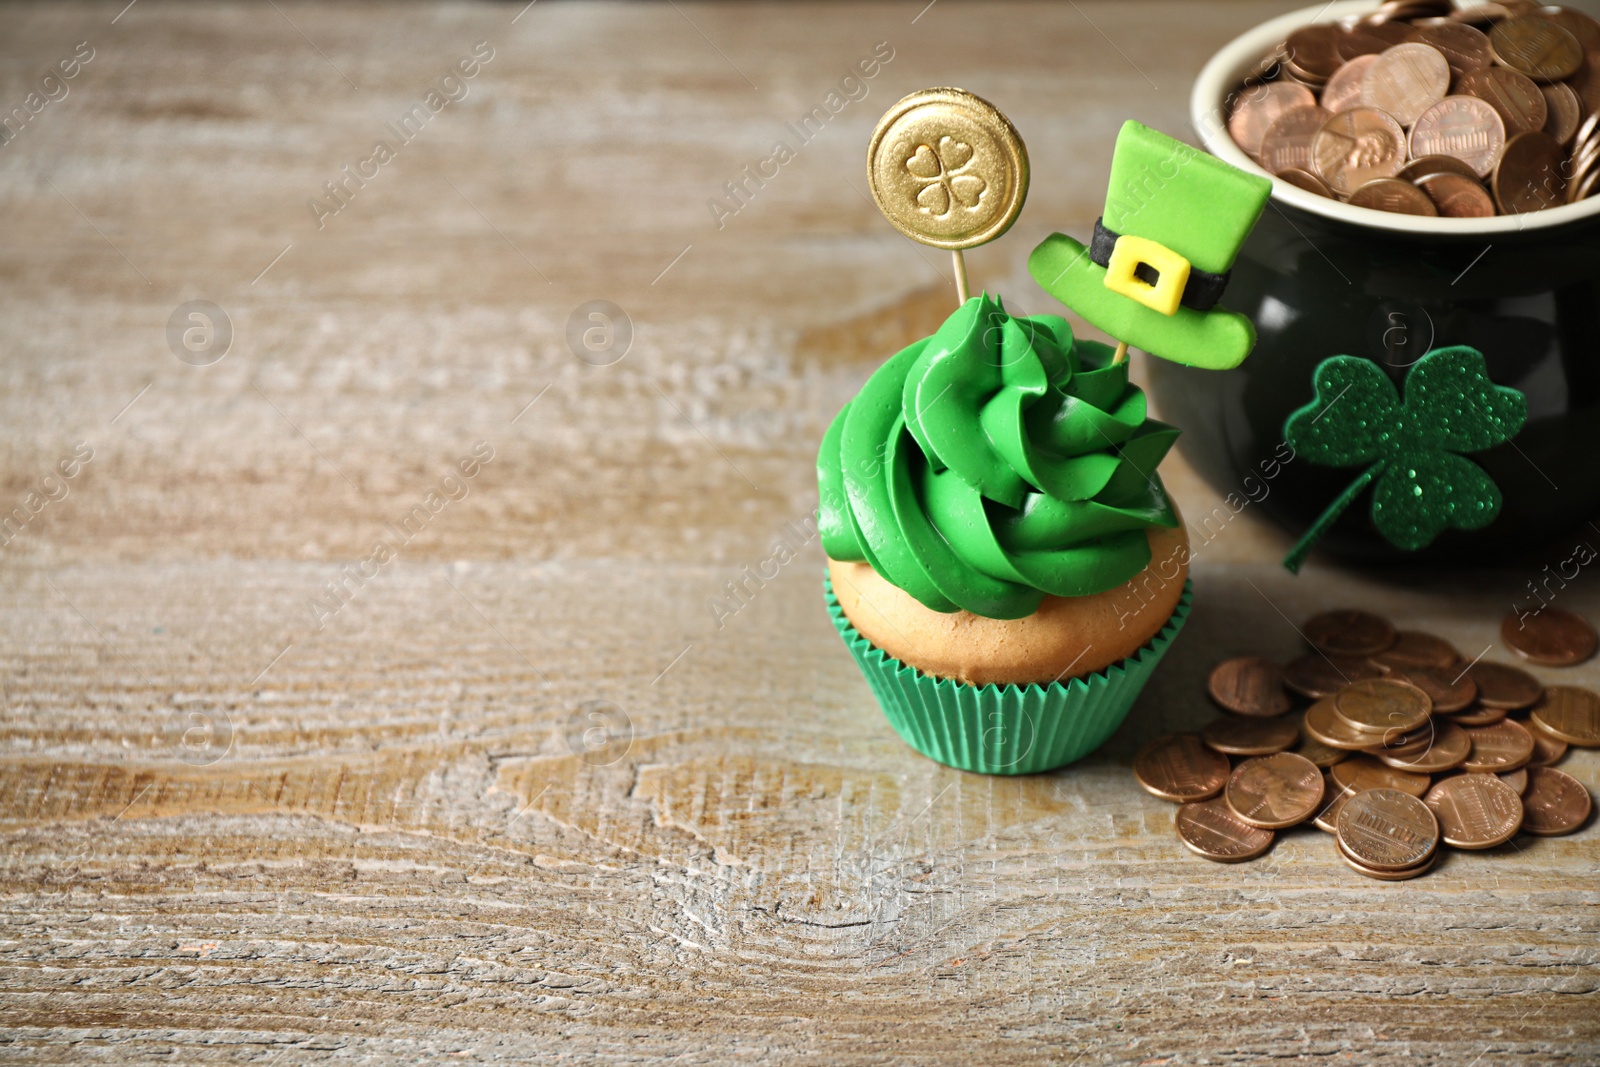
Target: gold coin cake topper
[947, 169]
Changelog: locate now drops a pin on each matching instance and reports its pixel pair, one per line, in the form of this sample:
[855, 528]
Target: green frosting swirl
[995, 462]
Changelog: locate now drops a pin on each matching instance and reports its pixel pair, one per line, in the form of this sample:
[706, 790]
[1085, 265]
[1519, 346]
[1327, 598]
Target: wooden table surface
[505, 788]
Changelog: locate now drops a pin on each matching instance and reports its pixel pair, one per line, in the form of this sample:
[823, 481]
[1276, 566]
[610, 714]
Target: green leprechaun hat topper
[1158, 262]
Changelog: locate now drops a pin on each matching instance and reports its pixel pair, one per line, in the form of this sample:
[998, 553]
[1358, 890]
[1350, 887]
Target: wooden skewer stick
[961, 275]
[1121, 355]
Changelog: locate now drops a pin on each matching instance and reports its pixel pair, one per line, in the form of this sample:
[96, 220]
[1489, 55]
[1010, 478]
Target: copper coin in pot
[1358, 146]
[1406, 81]
[1391, 194]
[1537, 47]
[1530, 175]
[1464, 128]
[1515, 98]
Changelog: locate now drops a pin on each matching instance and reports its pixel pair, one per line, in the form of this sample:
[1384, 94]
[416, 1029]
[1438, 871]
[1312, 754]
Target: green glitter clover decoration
[1411, 448]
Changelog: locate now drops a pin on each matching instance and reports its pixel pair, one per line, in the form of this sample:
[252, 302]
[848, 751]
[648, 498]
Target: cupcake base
[1064, 635]
[1006, 729]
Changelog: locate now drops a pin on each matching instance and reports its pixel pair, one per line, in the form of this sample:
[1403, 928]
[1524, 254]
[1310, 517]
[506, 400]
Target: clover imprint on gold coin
[947, 169]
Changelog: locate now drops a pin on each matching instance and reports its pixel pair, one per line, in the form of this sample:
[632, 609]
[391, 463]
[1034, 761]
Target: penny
[1324, 756]
[1478, 716]
[1332, 803]
[1550, 637]
[1274, 791]
[1413, 648]
[1287, 142]
[1518, 8]
[1356, 44]
[1464, 128]
[1259, 107]
[1364, 772]
[1518, 780]
[1387, 829]
[1581, 26]
[1505, 746]
[1389, 742]
[1343, 90]
[1294, 73]
[1389, 194]
[1554, 803]
[1464, 47]
[1315, 675]
[1304, 179]
[1584, 187]
[1407, 80]
[1565, 112]
[1179, 767]
[1515, 98]
[1546, 749]
[1239, 736]
[1314, 50]
[1587, 139]
[947, 169]
[1456, 197]
[1529, 176]
[1569, 714]
[1326, 726]
[1445, 750]
[1588, 129]
[1503, 686]
[1586, 83]
[1393, 32]
[1379, 873]
[1584, 156]
[1358, 146]
[1537, 47]
[1486, 14]
[1475, 811]
[1432, 166]
[1582, 183]
[1210, 829]
[1348, 633]
[1383, 706]
[1449, 690]
[1249, 685]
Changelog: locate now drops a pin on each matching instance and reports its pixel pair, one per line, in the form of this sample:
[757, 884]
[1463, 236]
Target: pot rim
[1225, 70]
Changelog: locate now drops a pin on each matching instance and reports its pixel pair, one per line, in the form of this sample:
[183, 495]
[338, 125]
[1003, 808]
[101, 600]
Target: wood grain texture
[247, 820]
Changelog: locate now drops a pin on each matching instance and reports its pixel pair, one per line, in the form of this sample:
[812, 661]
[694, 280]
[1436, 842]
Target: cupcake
[1003, 561]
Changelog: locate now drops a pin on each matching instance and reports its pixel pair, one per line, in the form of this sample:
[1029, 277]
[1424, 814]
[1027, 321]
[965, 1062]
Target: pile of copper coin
[1406, 745]
[1424, 108]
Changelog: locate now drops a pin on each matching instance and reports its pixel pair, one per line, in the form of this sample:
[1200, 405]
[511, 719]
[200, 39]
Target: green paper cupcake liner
[1005, 729]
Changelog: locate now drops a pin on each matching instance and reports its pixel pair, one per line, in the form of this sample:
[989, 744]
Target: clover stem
[1297, 555]
[961, 275]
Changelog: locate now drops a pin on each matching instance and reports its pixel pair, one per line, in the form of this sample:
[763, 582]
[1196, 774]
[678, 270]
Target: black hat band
[1201, 293]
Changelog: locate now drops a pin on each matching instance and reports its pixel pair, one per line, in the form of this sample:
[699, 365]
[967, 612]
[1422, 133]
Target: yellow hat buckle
[1123, 275]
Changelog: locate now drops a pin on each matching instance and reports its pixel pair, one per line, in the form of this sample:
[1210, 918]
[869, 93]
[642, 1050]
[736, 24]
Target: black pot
[1320, 278]
[1317, 287]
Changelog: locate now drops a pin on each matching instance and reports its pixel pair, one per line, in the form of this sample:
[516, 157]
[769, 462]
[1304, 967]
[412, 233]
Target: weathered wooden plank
[245, 818]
